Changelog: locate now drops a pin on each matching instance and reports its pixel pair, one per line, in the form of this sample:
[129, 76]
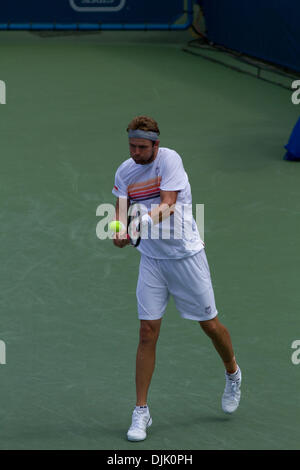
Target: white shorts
[186, 279]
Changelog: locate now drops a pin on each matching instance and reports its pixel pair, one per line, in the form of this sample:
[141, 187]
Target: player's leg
[152, 298]
[145, 363]
[189, 282]
[145, 358]
[220, 337]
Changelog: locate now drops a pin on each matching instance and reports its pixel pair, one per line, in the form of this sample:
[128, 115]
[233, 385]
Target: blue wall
[268, 29]
[108, 12]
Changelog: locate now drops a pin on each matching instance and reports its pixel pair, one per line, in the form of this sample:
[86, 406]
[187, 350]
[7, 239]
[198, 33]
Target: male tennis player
[174, 265]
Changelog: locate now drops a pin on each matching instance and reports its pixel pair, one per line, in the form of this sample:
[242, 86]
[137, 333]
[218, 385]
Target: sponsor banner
[110, 12]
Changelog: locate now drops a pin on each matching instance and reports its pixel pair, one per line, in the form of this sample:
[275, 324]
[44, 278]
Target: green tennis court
[68, 306]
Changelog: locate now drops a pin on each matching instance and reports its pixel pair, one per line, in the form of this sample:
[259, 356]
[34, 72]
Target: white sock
[235, 376]
[143, 409]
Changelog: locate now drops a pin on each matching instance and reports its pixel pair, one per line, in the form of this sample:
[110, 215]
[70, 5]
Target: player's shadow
[159, 429]
[196, 421]
[91, 435]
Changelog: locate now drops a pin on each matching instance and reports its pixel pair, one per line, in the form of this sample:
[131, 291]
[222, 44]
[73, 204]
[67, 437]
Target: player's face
[142, 151]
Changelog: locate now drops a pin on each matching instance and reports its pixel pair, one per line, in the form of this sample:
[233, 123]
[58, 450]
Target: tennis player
[174, 265]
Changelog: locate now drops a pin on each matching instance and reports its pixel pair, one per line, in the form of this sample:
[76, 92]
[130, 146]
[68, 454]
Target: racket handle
[128, 237]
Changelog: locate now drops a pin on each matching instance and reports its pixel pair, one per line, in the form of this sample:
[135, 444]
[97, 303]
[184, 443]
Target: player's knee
[148, 334]
[210, 327]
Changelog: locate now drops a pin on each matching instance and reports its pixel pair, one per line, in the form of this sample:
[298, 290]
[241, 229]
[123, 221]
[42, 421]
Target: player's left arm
[166, 207]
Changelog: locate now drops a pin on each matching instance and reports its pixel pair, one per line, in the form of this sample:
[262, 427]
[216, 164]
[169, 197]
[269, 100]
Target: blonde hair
[143, 123]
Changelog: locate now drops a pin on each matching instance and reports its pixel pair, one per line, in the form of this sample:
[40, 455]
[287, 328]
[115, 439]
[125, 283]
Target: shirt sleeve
[119, 189]
[173, 175]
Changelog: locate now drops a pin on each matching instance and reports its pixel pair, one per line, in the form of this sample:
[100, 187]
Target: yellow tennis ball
[116, 226]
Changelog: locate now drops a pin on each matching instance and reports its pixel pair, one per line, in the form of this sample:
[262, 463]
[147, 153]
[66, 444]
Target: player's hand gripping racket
[134, 225]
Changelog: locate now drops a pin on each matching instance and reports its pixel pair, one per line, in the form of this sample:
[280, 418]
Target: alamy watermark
[2, 92]
[296, 94]
[295, 358]
[2, 352]
[181, 225]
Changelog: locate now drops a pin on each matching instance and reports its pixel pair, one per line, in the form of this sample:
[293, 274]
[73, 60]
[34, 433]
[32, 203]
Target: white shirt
[176, 236]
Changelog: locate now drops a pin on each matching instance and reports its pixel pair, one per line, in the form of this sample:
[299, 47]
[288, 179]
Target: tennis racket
[133, 225]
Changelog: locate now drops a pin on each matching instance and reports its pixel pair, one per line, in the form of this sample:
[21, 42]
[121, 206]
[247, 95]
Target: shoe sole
[229, 412]
[233, 411]
[137, 440]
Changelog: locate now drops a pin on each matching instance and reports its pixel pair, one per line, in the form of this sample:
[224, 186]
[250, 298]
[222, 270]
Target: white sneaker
[141, 420]
[232, 394]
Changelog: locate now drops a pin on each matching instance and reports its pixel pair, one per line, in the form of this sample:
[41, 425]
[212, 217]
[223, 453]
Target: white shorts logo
[97, 5]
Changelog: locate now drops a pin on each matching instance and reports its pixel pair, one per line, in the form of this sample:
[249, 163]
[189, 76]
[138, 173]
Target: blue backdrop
[293, 145]
[111, 13]
[267, 29]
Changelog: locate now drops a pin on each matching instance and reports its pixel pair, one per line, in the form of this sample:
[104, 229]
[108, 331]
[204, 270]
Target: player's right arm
[120, 239]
